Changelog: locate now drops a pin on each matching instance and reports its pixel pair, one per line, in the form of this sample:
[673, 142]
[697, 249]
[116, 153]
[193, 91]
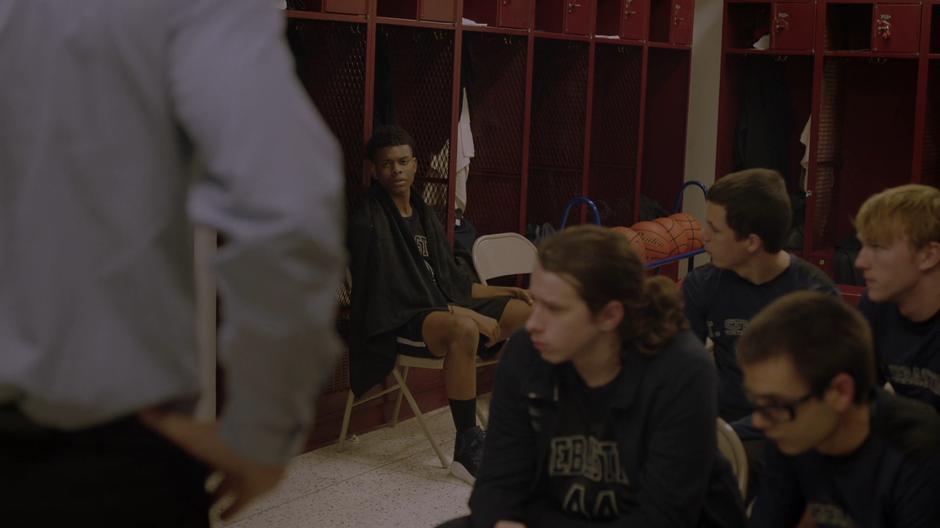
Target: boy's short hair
[755, 201]
[912, 210]
[385, 136]
[821, 334]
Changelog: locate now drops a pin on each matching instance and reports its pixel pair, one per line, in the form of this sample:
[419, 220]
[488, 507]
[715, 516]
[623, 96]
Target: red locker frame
[560, 105]
[870, 80]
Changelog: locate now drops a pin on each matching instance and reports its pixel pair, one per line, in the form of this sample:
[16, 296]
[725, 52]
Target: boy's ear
[928, 257]
[611, 315]
[754, 243]
[841, 393]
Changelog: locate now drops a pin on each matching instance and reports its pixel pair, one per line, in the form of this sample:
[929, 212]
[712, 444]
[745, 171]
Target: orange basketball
[634, 238]
[673, 229]
[658, 243]
[688, 233]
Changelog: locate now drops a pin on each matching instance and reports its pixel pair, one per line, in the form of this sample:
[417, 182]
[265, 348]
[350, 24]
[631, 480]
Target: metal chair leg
[424, 427]
[480, 416]
[397, 410]
[346, 415]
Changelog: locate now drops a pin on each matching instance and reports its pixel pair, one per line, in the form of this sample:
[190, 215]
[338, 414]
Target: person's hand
[242, 480]
[521, 294]
[489, 327]
[509, 524]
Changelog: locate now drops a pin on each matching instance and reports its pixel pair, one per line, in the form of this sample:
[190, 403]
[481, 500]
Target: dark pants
[117, 474]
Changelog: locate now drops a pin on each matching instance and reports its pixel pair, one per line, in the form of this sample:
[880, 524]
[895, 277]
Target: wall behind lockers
[703, 105]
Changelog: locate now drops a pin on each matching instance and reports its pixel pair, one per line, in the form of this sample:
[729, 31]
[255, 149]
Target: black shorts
[411, 339]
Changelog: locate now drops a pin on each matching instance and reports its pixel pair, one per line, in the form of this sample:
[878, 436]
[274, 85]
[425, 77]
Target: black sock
[464, 413]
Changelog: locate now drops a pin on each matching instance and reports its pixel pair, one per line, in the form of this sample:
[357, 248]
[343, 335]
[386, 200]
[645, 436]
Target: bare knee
[463, 334]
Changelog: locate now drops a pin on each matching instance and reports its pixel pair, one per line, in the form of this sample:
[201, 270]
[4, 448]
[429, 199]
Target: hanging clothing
[763, 131]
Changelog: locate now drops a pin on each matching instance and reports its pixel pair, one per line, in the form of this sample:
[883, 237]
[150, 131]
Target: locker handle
[572, 5]
[677, 20]
[782, 22]
[627, 12]
[884, 26]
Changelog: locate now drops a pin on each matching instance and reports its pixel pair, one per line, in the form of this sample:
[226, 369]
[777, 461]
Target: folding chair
[499, 255]
[503, 254]
[405, 362]
[493, 256]
[731, 447]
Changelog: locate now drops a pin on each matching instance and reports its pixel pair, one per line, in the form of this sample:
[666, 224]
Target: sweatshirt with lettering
[908, 352]
[719, 304]
[639, 451]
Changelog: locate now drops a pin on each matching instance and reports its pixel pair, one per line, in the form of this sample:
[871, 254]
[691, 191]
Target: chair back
[503, 254]
[731, 447]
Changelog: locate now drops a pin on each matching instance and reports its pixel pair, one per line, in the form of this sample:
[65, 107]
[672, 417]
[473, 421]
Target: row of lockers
[667, 21]
[880, 27]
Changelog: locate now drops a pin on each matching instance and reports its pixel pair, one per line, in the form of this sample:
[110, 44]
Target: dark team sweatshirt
[908, 353]
[891, 481]
[720, 303]
[640, 452]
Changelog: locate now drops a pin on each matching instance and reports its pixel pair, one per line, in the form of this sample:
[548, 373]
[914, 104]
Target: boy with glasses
[408, 288]
[842, 449]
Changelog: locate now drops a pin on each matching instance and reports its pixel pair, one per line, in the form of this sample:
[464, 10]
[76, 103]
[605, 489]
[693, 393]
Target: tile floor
[389, 477]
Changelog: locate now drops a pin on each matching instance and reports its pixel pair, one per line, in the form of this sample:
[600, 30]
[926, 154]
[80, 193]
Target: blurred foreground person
[122, 124]
[604, 409]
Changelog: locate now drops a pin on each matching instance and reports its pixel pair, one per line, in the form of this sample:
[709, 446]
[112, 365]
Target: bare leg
[514, 316]
[455, 338]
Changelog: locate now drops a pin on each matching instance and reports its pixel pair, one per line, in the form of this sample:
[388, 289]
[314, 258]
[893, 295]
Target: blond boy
[900, 259]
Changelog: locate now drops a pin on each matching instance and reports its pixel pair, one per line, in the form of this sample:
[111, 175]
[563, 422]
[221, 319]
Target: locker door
[896, 27]
[635, 14]
[578, 16]
[436, 10]
[793, 26]
[680, 30]
[349, 7]
[514, 13]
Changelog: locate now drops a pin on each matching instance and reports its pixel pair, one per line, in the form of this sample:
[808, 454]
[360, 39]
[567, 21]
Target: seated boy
[900, 260]
[748, 217]
[848, 453]
[406, 286]
[603, 412]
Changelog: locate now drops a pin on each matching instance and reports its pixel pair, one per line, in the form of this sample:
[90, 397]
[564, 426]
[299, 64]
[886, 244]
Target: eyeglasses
[388, 165]
[778, 412]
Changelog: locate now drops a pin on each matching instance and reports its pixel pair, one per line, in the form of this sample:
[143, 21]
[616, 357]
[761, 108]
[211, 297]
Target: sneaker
[468, 452]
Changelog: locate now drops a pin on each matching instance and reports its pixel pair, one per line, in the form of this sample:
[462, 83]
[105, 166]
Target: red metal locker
[514, 13]
[793, 26]
[896, 28]
[634, 21]
[436, 10]
[680, 30]
[349, 7]
[578, 16]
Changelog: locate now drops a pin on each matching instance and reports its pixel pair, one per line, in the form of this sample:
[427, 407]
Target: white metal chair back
[503, 254]
[731, 447]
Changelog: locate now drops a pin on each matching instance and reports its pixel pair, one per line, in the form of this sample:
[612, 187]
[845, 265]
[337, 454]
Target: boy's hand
[488, 327]
[521, 294]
